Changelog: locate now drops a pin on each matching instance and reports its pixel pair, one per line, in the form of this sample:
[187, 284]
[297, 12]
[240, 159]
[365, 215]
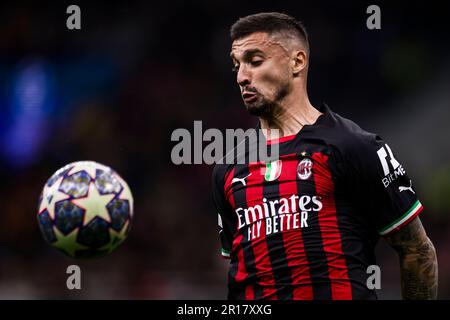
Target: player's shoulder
[348, 136]
[242, 153]
[220, 172]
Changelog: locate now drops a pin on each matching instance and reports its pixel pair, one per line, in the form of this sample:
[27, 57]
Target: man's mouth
[249, 97]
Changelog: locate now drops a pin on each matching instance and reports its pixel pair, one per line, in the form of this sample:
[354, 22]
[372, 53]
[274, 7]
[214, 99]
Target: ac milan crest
[304, 169]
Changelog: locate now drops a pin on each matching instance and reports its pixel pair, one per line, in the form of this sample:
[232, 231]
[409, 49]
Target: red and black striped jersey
[305, 226]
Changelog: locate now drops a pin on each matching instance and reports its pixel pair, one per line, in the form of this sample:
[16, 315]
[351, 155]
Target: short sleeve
[226, 223]
[383, 185]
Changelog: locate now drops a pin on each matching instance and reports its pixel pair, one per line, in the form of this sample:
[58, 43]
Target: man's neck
[289, 118]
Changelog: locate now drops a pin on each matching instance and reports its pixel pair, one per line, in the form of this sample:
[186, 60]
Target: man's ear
[299, 61]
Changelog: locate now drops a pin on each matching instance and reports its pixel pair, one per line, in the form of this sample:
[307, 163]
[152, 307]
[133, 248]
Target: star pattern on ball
[91, 170]
[67, 243]
[44, 203]
[125, 194]
[57, 196]
[94, 204]
[115, 238]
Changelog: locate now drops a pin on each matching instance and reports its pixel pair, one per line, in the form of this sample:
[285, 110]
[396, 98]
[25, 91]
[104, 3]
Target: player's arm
[394, 208]
[226, 224]
[418, 262]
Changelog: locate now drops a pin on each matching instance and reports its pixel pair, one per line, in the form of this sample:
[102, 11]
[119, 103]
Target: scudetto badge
[272, 170]
[304, 168]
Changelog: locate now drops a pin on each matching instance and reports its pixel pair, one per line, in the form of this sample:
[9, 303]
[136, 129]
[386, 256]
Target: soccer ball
[85, 210]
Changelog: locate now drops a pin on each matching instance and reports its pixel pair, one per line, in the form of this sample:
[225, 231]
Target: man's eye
[256, 63]
[235, 68]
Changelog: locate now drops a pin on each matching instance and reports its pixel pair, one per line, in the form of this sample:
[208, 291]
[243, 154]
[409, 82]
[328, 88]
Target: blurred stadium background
[115, 90]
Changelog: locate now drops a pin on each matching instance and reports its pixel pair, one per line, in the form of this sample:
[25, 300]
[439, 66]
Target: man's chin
[258, 110]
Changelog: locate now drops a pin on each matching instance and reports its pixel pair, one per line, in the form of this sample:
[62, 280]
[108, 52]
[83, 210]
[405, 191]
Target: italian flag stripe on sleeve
[403, 220]
[225, 253]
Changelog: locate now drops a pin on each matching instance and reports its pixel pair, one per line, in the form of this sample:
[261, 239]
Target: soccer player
[305, 226]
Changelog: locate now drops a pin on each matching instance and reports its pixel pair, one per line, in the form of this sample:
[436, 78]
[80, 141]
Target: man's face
[262, 67]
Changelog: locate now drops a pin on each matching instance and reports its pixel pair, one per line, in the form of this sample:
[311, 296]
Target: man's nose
[243, 76]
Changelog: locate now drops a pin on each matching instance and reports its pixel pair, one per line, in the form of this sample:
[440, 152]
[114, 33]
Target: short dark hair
[269, 22]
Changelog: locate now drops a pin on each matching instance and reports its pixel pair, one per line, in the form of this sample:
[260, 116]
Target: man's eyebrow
[247, 53]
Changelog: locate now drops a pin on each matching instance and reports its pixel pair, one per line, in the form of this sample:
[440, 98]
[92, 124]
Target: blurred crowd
[114, 91]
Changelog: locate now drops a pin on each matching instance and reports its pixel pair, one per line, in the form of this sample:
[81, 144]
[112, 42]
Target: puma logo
[401, 188]
[241, 180]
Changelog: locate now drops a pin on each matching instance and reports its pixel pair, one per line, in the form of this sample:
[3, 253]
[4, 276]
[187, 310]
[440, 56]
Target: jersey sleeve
[226, 224]
[383, 185]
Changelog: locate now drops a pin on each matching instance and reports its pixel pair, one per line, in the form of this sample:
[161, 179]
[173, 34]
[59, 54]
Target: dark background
[114, 91]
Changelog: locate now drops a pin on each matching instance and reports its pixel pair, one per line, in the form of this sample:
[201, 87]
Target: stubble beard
[265, 108]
